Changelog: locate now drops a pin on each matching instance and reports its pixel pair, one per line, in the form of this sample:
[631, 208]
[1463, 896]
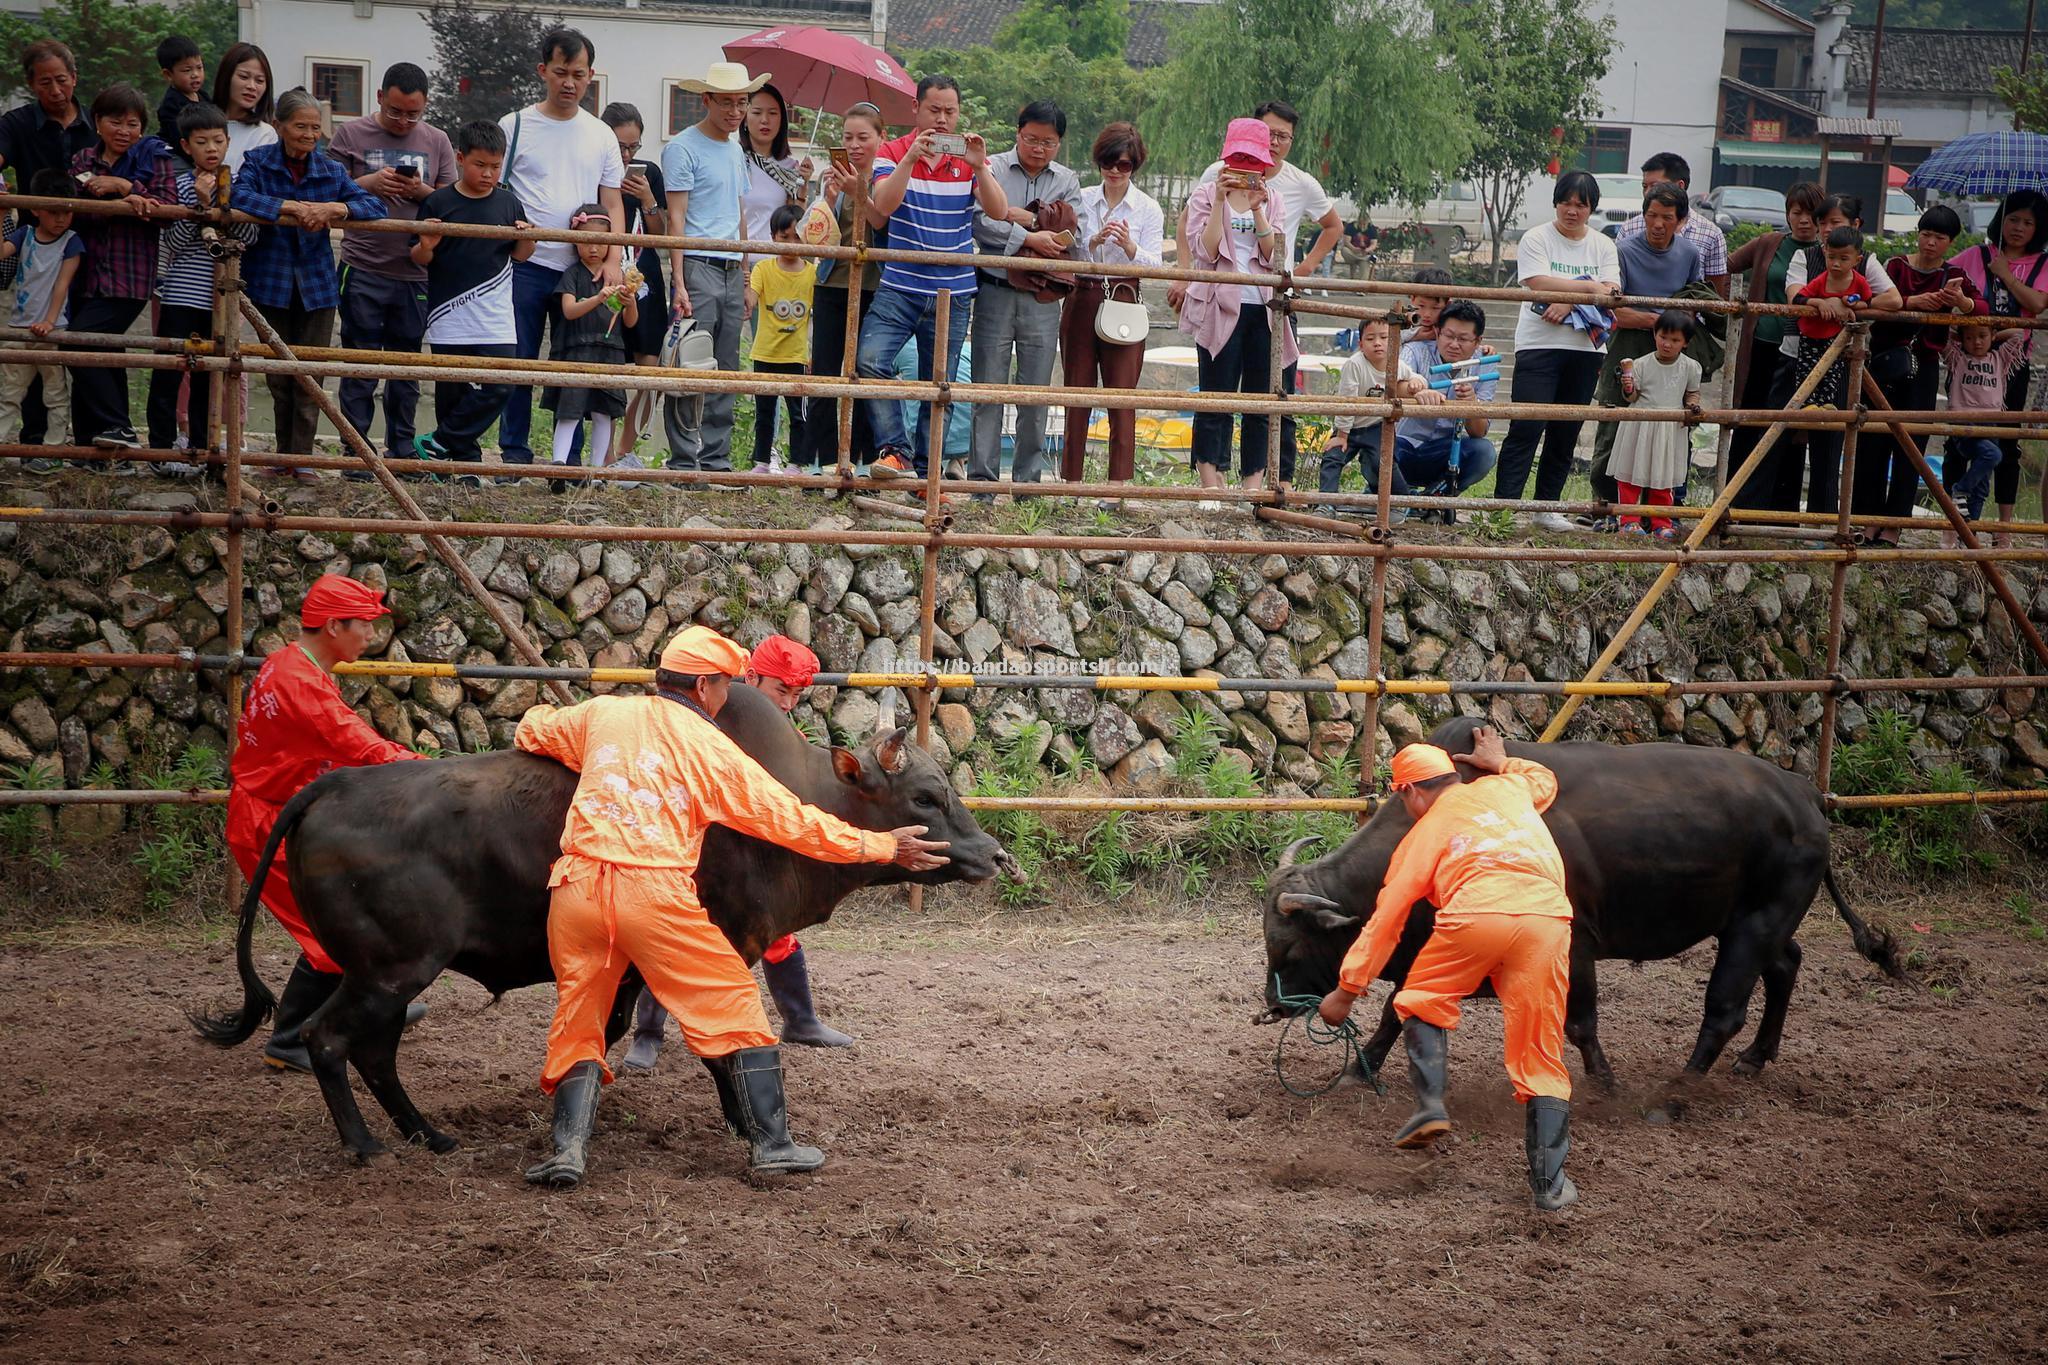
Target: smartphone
[841, 162]
[408, 170]
[1065, 237]
[949, 144]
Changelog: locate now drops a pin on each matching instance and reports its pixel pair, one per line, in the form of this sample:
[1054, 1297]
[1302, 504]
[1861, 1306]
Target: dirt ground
[1058, 1139]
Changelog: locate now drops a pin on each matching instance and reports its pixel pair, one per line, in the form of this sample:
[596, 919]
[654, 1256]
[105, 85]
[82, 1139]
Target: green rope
[1302, 1009]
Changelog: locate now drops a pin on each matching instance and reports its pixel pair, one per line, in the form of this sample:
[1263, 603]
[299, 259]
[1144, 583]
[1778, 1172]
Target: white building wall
[640, 53]
[1664, 79]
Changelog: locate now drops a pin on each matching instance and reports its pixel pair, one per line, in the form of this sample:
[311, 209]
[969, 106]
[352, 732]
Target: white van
[1456, 205]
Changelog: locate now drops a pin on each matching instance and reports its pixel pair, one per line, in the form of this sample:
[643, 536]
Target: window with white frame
[343, 84]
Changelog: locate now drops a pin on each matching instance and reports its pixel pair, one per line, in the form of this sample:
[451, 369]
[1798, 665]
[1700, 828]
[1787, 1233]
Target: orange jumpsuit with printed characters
[295, 727]
[654, 773]
[1483, 856]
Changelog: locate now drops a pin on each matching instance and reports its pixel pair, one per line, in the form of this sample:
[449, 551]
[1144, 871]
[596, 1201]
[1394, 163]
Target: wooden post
[1368, 748]
[935, 528]
[1859, 348]
[849, 367]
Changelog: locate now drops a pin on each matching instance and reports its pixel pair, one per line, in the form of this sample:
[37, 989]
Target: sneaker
[117, 438]
[954, 469]
[1209, 505]
[182, 442]
[892, 464]
[1550, 521]
[1665, 533]
[469, 481]
[178, 469]
[778, 465]
[44, 466]
[627, 462]
[1634, 528]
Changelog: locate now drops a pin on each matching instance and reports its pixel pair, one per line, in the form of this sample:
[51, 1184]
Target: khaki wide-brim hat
[725, 78]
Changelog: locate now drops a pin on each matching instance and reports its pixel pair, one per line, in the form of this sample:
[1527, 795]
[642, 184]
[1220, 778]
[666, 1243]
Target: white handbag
[1120, 322]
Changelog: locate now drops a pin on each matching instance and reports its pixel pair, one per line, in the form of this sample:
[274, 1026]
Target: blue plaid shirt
[288, 259]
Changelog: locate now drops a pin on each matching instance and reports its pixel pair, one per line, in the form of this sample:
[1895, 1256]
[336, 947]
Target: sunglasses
[1123, 166]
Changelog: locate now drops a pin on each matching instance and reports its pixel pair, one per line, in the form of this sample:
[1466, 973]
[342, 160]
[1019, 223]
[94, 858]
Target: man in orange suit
[1480, 852]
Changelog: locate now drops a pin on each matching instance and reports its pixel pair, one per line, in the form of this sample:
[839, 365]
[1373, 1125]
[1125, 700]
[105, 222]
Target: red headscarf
[335, 598]
[782, 658]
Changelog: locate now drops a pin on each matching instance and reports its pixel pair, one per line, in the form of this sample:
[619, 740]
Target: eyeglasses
[1042, 144]
[1122, 167]
[1280, 137]
[629, 150]
[402, 115]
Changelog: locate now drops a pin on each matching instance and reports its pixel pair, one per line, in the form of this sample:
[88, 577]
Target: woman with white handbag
[1103, 331]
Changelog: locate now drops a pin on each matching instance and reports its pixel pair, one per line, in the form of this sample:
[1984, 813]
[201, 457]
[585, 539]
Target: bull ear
[1332, 921]
[1295, 902]
[846, 763]
[1294, 849]
[892, 751]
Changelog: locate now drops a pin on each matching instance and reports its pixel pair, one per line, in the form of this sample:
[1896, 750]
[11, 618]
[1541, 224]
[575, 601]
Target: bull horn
[885, 721]
[1294, 902]
[1294, 849]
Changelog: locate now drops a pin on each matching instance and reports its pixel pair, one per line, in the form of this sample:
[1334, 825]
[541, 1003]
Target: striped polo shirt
[937, 214]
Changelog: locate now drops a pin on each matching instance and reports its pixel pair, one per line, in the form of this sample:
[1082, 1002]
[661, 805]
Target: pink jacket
[1209, 314]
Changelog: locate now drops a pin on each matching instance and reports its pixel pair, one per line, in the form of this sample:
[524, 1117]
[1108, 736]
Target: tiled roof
[917, 24]
[1933, 61]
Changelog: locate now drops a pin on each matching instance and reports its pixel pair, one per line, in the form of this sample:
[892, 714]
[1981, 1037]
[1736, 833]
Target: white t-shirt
[1546, 251]
[244, 138]
[1360, 378]
[1241, 234]
[1297, 195]
[763, 195]
[1795, 280]
[555, 167]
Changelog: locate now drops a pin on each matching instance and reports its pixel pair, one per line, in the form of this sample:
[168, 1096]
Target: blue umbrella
[1986, 163]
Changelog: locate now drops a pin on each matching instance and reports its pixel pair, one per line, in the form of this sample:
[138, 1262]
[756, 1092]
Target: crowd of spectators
[734, 177]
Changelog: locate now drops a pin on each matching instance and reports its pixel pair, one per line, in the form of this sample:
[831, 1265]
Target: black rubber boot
[1428, 1056]
[650, 1023]
[728, 1094]
[1549, 1138]
[305, 992]
[789, 983]
[575, 1112]
[764, 1118]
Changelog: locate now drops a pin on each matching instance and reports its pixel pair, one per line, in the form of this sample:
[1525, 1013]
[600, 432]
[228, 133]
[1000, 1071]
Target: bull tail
[1877, 945]
[230, 1028]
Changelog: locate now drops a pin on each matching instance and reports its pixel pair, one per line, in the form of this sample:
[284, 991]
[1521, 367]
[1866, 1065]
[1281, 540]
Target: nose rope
[1301, 1009]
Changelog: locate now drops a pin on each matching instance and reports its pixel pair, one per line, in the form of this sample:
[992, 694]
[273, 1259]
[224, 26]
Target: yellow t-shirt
[782, 312]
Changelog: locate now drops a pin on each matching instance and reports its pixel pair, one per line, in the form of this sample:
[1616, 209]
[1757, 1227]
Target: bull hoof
[369, 1152]
[1746, 1067]
[440, 1144]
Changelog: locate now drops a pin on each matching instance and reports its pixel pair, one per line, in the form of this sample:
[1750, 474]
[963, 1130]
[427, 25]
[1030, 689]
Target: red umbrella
[815, 68]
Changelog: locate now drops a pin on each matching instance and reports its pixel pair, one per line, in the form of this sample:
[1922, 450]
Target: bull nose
[1007, 864]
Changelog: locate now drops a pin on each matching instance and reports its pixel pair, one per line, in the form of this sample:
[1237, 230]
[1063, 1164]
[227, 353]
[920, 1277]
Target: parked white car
[1457, 205]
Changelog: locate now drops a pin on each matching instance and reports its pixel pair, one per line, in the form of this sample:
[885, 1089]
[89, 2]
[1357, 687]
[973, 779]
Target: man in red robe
[295, 727]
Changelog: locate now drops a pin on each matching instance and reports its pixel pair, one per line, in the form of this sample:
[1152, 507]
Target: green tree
[1087, 28]
[2026, 94]
[1530, 72]
[995, 85]
[115, 40]
[485, 60]
[1950, 14]
[1378, 113]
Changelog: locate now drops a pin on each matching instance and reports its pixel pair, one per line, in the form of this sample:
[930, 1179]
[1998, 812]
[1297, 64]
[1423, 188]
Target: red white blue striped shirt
[937, 214]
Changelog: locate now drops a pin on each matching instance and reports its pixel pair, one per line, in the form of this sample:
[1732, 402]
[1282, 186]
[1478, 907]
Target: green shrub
[1911, 838]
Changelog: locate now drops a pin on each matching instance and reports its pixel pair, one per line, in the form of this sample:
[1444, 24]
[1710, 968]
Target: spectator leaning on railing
[119, 268]
[1766, 260]
[1658, 262]
[2010, 269]
[289, 271]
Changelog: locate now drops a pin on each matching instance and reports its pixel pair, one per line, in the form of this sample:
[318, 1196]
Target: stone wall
[1054, 610]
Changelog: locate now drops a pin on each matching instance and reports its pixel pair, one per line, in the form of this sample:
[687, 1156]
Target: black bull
[409, 869]
[1664, 846]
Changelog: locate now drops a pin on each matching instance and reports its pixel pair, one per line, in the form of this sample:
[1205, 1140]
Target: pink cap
[1249, 137]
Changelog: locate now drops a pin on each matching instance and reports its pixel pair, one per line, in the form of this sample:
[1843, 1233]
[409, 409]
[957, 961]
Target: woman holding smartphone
[1229, 229]
[863, 135]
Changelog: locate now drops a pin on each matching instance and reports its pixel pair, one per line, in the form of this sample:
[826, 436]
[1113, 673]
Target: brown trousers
[1091, 362]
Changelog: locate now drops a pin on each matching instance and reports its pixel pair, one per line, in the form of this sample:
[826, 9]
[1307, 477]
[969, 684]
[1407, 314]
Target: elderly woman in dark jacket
[289, 272]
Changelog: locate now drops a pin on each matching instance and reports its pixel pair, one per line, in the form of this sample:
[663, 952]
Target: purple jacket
[1210, 313]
